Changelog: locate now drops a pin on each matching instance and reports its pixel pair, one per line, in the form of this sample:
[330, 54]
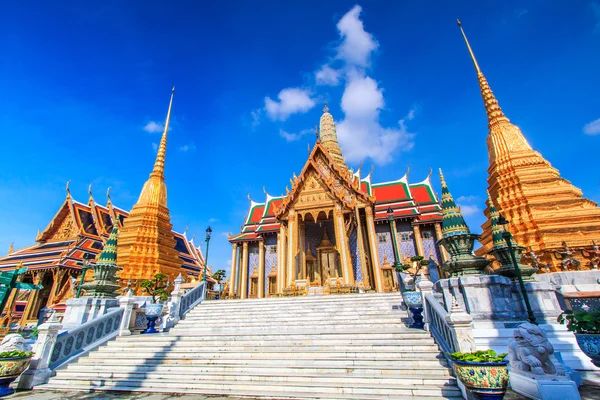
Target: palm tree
[219, 275]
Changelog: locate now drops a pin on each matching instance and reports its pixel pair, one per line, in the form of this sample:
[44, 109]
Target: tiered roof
[79, 229]
[412, 200]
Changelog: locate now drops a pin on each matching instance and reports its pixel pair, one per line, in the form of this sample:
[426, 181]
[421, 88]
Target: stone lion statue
[530, 351]
[14, 341]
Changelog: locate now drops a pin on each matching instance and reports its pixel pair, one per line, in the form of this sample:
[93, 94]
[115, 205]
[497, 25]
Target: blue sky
[85, 87]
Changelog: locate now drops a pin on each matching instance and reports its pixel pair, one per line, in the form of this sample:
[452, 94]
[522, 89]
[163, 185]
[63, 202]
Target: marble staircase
[330, 347]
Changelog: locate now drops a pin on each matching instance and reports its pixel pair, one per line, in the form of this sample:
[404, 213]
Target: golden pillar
[234, 262]
[292, 245]
[281, 251]
[438, 236]
[342, 242]
[244, 272]
[374, 249]
[361, 248]
[418, 240]
[261, 269]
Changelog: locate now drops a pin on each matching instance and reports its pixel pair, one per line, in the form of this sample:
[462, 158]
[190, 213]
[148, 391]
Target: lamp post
[508, 239]
[208, 232]
[87, 257]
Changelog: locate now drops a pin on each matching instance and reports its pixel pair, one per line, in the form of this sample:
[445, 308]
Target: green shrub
[156, 288]
[16, 353]
[581, 321]
[480, 356]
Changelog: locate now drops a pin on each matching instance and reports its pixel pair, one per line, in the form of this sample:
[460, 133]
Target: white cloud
[521, 12]
[188, 147]
[255, 118]
[469, 210]
[593, 128]
[155, 147]
[357, 44]
[360, 133]
[213, 220]
[291, 101]
[154, 127]
[327, 76]
[467, 199]
[292, 137]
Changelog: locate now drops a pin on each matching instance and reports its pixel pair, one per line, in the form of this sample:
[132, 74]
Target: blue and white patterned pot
[412, 299]
[589, 343]
[153, 310]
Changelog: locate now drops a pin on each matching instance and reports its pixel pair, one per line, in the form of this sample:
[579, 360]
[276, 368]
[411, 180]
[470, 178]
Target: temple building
[333, 229]
[77, 234]
[547, 214]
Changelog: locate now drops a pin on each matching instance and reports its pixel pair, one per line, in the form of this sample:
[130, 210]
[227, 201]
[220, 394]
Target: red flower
[493, 372]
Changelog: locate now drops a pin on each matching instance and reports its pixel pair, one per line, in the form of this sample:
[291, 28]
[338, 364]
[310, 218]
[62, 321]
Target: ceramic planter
[412, 299]
[486, 381]
[152, 312]
[589, 343]
[10, 369]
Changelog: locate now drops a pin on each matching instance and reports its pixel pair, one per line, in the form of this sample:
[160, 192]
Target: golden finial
[430, 173]
[325, 109]
[90, 193]
[108, 194]
[249, 199]
[186, 230]
[11, 249]
[317, 132]
[407, 170]
[68, 190]
[442, 178]
[265, 191]
[159, 164]
[469, 47]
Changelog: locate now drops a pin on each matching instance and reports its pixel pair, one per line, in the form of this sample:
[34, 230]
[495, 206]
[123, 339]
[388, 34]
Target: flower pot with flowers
[411, 297]
[484, 373]
[15, 355]
[157, 289]
[586, 326]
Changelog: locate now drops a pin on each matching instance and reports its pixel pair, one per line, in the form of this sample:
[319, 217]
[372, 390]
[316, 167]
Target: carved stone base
[545, 388]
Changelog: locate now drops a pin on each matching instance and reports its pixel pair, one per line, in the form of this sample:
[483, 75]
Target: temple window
[382, 237]
[272, 285]
[426, 234]
[254, 250]
[405, 237]
[272, 249]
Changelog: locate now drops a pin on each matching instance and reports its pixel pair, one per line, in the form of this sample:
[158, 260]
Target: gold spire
[328, 137]
[159, 165]
[68, 190]
[492, 108]
[442, 178]
[91, 200]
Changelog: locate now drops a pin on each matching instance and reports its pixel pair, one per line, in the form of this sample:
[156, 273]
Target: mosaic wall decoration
[355, 256]
[429, 247]
[387, 248]
[252, 263]
[406, 248]
[270, 257]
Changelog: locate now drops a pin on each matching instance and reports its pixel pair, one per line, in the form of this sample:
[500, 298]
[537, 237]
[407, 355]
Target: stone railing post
[425, 286]
[461, 323]
[174, 304]
[39, 371]
[126, 303]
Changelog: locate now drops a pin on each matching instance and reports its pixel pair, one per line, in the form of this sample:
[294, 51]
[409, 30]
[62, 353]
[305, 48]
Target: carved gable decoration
[62, 226]
[322, 182]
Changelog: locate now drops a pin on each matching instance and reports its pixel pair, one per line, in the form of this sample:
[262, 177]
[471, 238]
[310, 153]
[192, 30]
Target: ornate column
[438, 236]
[374, 249]
[418, 240]
[244, 272]
[291, 253]
[361, 248]
[261, 269]
[342, 242]
[56, 281]
[281, 252]
[234, 262]
[301, 273]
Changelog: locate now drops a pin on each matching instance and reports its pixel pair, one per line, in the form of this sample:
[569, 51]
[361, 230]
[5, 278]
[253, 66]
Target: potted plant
[411, 297]
[484, 373]
[157, 289]
[12, 364]
[586, 326]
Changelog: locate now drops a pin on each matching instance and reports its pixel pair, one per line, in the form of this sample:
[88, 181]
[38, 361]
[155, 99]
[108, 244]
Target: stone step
[296, 354]
[253, 330]
[308, 389]
[266, 369]
[208, 343]
[396, 334]
[431, 362]
[270, 394]
[276, 379]
[278, 316]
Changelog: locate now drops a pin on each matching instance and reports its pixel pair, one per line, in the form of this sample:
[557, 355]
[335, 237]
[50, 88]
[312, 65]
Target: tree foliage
[157, 287]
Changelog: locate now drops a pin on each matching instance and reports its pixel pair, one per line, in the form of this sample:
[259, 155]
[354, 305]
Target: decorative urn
[152, 312]
[589, 343]
[485, 380]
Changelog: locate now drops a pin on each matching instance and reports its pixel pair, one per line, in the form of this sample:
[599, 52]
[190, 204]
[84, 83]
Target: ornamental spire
[328, 137]
[498, 241]
[453, 222]
[492, 108]
[159, 164]
[109, 252]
